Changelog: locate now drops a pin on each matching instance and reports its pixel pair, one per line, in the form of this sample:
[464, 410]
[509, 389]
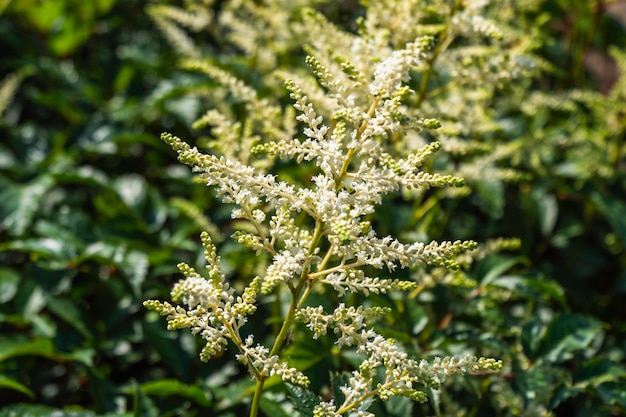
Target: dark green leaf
[614, 210]
[614, 393]
[273, 407]
[303, 400]
[169, 348]
[567, 334]
[9, 280]
[143, 405]
[534, 381]
[563, 394]
[598, 371]
[532, 332]
[491, 193]
[70, 313]
[337, 381]
[20, 202]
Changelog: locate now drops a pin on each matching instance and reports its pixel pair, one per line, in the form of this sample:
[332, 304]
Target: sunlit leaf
[14, 385]
[19, 203]
[9, 280]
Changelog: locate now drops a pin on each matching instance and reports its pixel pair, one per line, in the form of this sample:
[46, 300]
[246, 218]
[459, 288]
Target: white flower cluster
[260, 363]
[391, 73]
[329, 250]
[401, 375]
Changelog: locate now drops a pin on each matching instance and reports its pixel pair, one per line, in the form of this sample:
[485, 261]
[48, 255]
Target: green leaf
[171, 387]
[273, 407]
[338, 380]
[491, 193]
[303, 399]
[20, 346]
[20, 202]
[546, 289]
[14, 385]
[563, 394]
[133, 263]
[614, 210]
[531, 337]
[533, 381]
[68, 311]
[498, 268]
[143, 405]
[598, 371]
[614, 393]
[168, 346]
[399, 406]
[531, 287]
[9, 280]
[13, 346]
[567, 334]
[132, 189]
[547, 210]
[30, 410]
[47, 248]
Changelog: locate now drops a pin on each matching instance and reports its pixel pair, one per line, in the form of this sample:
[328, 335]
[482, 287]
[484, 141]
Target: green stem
[442, 44]
[297, 296]
[256, 400]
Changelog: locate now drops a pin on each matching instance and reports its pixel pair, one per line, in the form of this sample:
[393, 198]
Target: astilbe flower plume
[331, 251]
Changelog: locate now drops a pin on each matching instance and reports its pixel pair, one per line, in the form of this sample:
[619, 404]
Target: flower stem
[256, 400]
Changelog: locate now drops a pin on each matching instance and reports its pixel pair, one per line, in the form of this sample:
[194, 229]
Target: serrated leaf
[338, 380]
[303, 399]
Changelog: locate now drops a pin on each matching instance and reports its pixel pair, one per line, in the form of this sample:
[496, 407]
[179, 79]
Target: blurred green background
[95, 213]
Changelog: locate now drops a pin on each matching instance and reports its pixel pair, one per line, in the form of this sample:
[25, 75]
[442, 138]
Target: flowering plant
[320, 238]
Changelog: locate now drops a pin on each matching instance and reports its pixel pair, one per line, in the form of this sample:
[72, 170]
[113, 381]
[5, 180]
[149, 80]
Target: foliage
[96, 213]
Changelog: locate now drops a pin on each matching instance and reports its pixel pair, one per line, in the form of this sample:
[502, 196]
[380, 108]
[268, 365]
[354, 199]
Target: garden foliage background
[96, 212]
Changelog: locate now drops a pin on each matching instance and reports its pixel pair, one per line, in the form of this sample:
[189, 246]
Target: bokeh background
[95, 213]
